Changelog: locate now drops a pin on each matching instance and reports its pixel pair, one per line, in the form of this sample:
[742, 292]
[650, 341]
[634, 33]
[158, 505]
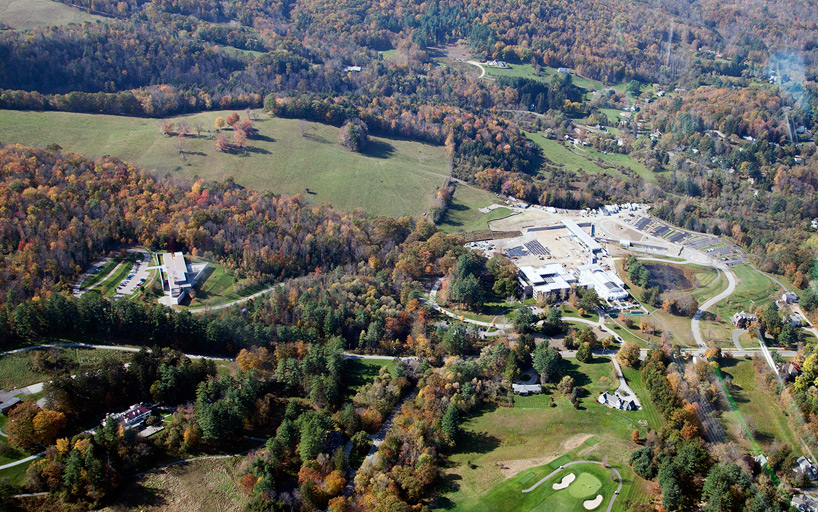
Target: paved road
[618, 488]
[623, 384]
[694, 323]
[736, 334]
[482, 69]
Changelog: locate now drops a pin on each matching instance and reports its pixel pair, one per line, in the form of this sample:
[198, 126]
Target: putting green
[585, 485]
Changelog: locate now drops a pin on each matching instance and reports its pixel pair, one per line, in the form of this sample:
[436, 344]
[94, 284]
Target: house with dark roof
[742, 319]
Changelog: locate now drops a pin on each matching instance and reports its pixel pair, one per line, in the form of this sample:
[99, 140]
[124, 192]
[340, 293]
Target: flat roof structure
[584, 238]
[546, 280]
[607, 285]
[177, 270]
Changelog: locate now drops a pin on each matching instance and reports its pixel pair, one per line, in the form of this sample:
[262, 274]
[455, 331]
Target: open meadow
[24, 14]
[391, 177]
[501, 445]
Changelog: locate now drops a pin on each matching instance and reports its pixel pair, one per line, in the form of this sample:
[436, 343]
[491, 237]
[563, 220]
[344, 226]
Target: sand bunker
[566, 481]
[592, 504]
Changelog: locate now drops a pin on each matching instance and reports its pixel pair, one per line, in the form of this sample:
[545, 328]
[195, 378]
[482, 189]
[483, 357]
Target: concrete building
[607, 285]
[550, 282]
[178, 277]
[583, 239]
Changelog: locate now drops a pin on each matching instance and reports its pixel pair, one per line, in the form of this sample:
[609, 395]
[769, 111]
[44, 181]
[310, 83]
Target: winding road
[550, 475]
[694, 324]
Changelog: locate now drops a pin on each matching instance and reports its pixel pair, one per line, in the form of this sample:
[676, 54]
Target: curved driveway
[618, 475]
[694, 324]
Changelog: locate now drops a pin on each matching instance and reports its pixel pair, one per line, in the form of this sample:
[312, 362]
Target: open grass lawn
[24, 14]
[17, 370]
[753, 290]
[756, 407]
[627, 161]
[218, 286]
[568, 311]
[202, 485]
[532, 434]
[359, 372]
[15, 474]
[392, 176]
[463, 215]
[560, 155]
[591, 480]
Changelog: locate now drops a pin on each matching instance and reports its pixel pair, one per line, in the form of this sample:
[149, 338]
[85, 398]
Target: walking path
[226, 305]
[377, 439]
[545, 478]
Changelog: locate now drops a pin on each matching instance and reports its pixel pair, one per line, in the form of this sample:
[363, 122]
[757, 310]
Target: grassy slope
[25, 14]
[393, 177]
[754, 400]
[15, 369]
[204, 485]
[534, 429]
[463, 215]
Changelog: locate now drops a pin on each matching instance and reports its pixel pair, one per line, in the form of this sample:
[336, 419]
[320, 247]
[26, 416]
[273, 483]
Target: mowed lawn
[24, 14]
[392, 177]
[591, 480]
[533, 433]
[756, 409]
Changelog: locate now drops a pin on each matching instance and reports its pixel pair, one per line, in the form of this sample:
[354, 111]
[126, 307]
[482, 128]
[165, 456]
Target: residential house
[742, 319]
[617, 402]
[789, 298]
[803, 466]
[131, 418]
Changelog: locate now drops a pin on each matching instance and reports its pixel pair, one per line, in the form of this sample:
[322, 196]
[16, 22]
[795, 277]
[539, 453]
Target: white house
[789, 298]
[804, 466]
[617, 402]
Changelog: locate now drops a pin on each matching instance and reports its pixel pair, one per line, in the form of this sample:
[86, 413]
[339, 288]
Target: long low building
[584, 239]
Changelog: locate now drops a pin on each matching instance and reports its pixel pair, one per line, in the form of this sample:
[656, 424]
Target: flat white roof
[177, 269]
[584, 237]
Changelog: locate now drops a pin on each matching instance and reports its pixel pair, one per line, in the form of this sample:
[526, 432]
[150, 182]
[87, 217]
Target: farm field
[533, 433]
[753, 399]
[24, 14]
[392, 177]
[209, 485]
[463, 215]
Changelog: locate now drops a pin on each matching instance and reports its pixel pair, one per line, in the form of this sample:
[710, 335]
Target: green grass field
[218, 286]
[16, 474]
[25, 14]
[591, 479]
[102, 274]
[757, 407]
[463, 215]
[392, 177]
[17, 370]
[359, 372]
[532, 433]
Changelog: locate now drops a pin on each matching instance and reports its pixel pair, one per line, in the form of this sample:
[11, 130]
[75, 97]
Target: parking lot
[138, 275]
